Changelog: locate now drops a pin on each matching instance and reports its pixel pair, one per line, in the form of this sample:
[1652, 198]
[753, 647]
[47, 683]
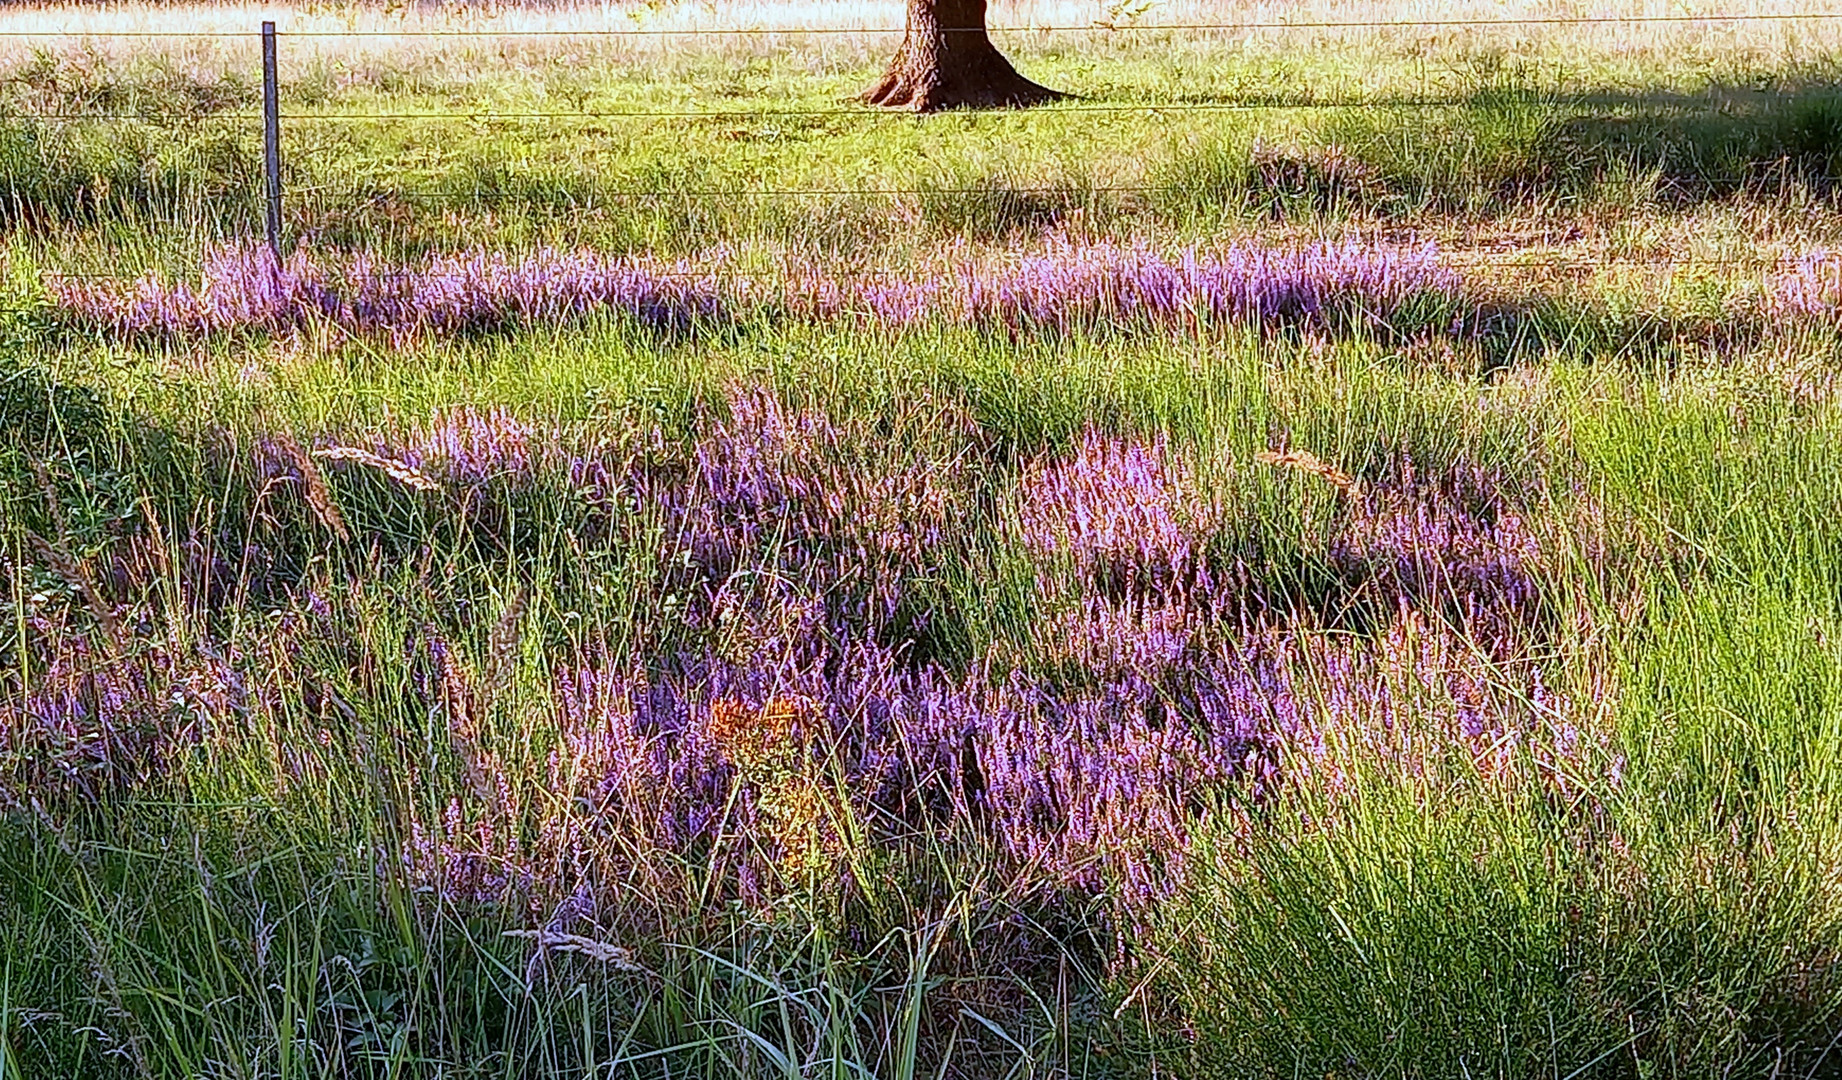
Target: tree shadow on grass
[1723, 139]
[1503, 146]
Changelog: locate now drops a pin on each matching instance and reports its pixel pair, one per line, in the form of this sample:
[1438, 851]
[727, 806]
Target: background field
[1319, 556]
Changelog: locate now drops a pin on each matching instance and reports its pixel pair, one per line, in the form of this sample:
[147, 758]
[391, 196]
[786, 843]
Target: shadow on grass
[1498, 143]
[1503, 145]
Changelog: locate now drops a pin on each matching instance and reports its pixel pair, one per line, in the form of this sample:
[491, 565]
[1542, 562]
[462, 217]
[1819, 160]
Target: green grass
[1480, 936]
[1658, 899]
[446, 148]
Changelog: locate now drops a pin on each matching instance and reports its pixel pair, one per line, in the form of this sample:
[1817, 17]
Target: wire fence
[1298, 101]
[767, 112]
[1257, 102]
[1083, 28]
[359, 197]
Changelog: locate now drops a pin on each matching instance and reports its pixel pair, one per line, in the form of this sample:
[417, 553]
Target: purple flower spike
[1125, 511]
[1062, 287]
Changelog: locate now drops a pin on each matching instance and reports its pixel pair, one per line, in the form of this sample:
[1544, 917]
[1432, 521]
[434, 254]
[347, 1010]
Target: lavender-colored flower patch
[105, 712]
[753, 737]
[784, 504]
[1125, 511]
[758, 757]
[1453, 546]
[473, 448]
[1810, 288]
[1348, 284]
[243, 288]
[1064, 286]
[763, 775]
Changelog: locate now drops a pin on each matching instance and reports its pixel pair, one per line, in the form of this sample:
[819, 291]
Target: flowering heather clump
[242, 288]
[101, 716]
[1119, 639]
[1347, 286]
[239, 288]
[1104, 786]
[1422, 699]
[1126, 511]
[1327, 285]
[880, 299]
[1089, 788]
[1811, 288]
[763, 776]
[782, 730]
[1454, 547]
[466, 451]
[470, 448]
[477, 289]
[789, 502]
[1093, 285]
[475, 862]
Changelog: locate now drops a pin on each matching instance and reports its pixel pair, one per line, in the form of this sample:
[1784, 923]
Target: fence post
[271, 138]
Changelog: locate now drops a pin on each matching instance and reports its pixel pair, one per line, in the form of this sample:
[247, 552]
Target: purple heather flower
[1810, 288]
[471, 448]
[1071, 285]
[1126, 511]
[242, 288]
[102, 715]
[1455, 546]
[1066, 285]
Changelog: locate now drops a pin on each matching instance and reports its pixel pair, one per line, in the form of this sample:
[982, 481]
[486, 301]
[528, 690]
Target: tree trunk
[947, 61]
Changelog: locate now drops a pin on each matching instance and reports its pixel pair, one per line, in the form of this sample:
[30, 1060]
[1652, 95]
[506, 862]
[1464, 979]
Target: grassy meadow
[1320, 556]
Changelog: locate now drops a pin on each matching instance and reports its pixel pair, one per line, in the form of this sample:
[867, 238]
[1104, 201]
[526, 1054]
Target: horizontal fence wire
[1516, 261]
[1262, 103]
[374, 195]
[1100, 28]
[1251, 104]
[769, 114]
[542, 196]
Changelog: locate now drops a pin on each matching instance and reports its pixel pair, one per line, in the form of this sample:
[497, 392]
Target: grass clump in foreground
[479, 649]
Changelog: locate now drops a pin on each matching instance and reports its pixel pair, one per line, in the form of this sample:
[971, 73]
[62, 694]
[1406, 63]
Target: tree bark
[947, 61]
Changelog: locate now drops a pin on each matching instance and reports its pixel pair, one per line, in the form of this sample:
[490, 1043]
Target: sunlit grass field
[1320, 556]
